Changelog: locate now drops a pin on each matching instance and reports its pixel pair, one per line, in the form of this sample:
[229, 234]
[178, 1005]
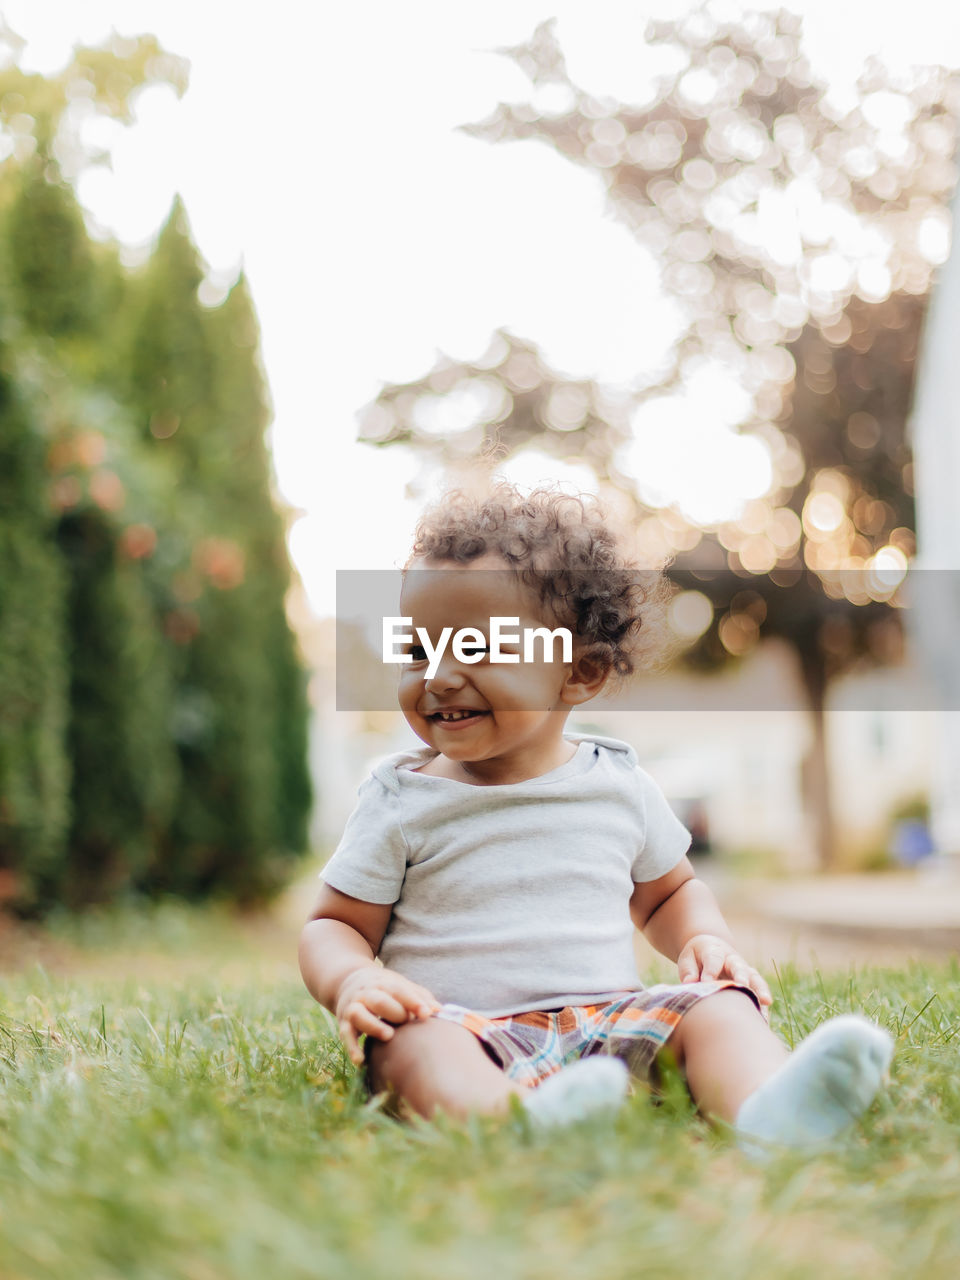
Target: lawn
[174, 1105]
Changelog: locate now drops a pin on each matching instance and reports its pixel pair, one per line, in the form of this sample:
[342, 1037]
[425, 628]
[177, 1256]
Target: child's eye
[417, 653]
[469, 649]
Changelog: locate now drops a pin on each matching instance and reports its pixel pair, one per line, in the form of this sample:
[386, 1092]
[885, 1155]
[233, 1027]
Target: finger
[711, 965]
[428, 1006]
[367, 1023]
[741, 973]
[416, 1000]
[385, 1005]
[422, 1002]
[745, 975]
[350, 1041]
[687, 967]
[760, 987]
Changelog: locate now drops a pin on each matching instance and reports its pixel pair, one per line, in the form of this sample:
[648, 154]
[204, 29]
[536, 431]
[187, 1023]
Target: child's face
[517, 711]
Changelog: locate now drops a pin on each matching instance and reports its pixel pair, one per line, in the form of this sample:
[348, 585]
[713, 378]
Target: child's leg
[438, 1065]
[740, 1072]
[726, 1051]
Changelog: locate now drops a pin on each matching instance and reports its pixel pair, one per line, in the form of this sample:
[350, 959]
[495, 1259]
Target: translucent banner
[694, 639]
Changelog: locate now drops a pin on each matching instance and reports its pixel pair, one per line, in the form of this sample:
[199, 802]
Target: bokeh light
[689, 614]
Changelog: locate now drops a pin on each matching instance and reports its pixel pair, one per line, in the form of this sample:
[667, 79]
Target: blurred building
[735, 776]
[936, 446]
[734, 761]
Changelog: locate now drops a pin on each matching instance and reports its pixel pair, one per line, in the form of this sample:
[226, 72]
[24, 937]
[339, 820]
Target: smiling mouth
[448, 719]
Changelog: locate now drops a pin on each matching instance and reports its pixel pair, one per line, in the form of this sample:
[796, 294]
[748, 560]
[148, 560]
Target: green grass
[173, 1105]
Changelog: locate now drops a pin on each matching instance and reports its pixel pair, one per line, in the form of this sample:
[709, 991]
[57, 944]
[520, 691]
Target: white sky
[317, 144]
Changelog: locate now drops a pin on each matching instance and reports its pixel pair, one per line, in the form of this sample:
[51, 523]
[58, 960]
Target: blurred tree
[802, 571]
[767, 200]
[169, 361]
[239, 707]
[34, 765]
[43, 115]
[124, 769]
[117, 735]
[252, 508]
[50, 260]
[798, 236]
[189, 760]
[50, 280]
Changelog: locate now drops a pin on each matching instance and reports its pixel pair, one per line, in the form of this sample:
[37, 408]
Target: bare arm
[342, 935]
[338, 948]
[671, 910]
[679, 915]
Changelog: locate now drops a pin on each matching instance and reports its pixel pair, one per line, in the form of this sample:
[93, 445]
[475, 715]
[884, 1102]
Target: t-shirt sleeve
[665, 839]
[371, 859]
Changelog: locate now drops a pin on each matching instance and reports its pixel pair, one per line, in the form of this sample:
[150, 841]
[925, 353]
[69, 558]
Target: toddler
[473, 935]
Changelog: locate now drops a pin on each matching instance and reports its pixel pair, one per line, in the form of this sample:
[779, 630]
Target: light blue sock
[584, 1089]
[825, 1084]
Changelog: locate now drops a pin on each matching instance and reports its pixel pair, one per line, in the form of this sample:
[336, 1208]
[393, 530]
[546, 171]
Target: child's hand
[373, 1000]
[706, 957]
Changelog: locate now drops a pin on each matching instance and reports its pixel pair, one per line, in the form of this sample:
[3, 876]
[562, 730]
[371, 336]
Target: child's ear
[585, 680]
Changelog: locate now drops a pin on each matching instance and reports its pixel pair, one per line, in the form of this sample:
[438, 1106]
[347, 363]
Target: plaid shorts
[635, 1026]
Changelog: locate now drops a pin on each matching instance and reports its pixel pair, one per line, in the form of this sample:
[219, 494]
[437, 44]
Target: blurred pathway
[826, 923]
[817, 922]
[829, 922]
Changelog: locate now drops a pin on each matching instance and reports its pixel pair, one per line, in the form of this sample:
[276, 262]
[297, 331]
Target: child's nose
[449, 675]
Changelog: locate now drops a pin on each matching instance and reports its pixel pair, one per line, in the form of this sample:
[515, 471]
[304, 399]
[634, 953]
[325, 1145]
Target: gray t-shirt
[510, 897]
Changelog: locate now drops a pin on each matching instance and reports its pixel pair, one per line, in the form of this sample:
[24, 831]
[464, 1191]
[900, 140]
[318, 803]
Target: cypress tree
[124, 771]
[142, 632]
[34, 767]
[242, 401]
[116, 733]
[169, 366]
[200, 401]
[51, 273]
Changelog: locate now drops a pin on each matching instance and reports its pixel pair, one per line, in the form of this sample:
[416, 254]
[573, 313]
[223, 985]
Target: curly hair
[563, 548]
